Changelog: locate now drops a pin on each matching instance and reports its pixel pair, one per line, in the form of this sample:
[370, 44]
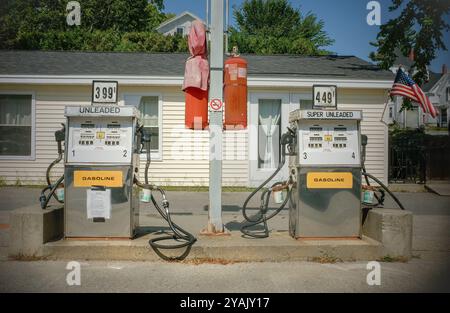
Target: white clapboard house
[178, 25]
[35, 86]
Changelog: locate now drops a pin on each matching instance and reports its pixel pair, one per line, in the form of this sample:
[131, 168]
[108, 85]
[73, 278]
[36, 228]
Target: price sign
[324, 96]
[104, 91]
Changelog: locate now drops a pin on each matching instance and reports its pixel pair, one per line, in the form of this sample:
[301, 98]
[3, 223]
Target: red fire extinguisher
[196, 114]
[235, 92]
[196, 79]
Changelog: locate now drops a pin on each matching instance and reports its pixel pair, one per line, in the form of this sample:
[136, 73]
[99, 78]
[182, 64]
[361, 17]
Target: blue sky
[345, 22]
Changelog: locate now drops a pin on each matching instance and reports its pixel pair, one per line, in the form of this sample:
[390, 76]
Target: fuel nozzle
[288, 141]
[60, 136]
[145, 138]
[364, 140]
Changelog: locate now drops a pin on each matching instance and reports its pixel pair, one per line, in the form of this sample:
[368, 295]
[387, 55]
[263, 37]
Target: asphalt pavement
[427, 271]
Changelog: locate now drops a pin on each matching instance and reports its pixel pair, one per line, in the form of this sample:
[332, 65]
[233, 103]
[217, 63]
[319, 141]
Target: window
[448, 94]
[180, 31]
[306, 104]
[16, 126]
[302, 101]
[150, 106]
[269, 124]
[391, 112]
[443, 117]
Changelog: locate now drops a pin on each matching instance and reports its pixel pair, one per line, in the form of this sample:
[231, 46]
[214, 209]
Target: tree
[420, 27]
[274, 26]
[106, 25]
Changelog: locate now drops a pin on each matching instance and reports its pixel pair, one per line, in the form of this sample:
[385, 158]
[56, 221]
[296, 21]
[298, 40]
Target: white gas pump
[101, 166]
[326, 164]
[326, 169]
[100, 161]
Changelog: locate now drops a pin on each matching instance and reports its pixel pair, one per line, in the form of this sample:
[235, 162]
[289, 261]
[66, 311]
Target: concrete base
[37, 233]
[441, 188]
[31, 227]
[393, 229]
[407, 187]
[278, 247]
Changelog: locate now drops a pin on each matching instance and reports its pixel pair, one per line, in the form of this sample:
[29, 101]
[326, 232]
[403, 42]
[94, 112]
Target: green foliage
[265, 27]
[419, 26]
[106, 25]
[101, 40]
[275, 27]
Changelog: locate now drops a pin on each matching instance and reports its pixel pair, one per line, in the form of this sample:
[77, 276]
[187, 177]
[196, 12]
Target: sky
[345, 22]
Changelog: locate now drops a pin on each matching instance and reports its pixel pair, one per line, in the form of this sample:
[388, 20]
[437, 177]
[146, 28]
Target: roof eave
[178, 17]
[272, 82]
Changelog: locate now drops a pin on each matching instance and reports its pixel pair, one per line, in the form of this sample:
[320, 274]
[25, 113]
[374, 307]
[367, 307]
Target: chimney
[444, 69]
[411, 55]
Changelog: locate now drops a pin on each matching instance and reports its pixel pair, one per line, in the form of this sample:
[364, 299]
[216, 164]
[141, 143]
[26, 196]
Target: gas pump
[101, 165]
[326, 164]
[326, 199]
[100, 161]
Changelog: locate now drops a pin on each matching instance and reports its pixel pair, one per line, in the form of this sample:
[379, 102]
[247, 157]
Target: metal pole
[215, 224]
[207, 15]
[227, 13]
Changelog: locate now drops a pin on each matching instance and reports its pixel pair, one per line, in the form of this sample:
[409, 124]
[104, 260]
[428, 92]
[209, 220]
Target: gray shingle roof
[434, 77]
[172, 64]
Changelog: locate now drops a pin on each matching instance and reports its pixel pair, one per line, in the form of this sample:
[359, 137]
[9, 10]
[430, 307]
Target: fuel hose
[183, 238]
[43, 199]
[265, 197]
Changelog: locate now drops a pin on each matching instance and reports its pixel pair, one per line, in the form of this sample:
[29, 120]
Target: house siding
[181, 22]
[184, 152]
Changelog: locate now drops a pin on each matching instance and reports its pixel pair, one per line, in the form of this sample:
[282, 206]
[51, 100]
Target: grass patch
[205, 189]
[27, 258]
[200, 261]
[390, 259]
[19, 184]
[24, 186]
[325, 259]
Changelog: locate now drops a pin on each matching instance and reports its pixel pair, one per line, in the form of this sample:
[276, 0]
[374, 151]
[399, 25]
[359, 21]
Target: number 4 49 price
[324, 96]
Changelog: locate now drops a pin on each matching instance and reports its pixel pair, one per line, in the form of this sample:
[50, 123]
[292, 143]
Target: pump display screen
[325, 142]
[103, 140]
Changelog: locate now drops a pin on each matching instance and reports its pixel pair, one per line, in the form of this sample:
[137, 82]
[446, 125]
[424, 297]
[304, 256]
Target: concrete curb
[237, 249]
[35, 234]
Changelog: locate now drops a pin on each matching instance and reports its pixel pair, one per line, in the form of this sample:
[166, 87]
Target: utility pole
[215, 224]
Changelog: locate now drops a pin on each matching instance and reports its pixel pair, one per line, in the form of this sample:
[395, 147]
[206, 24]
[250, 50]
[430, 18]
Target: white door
[268, 119]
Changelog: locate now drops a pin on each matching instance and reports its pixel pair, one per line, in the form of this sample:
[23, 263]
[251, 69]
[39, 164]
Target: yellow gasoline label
[97, 178]
[329, 180]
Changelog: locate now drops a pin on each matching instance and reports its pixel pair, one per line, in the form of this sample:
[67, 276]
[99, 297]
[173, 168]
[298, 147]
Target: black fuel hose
[380, 198]
[367, 176]
[47, 174]
[265, 196]
[43, 199]
[385, 188]
[59, 137]
[179, 234]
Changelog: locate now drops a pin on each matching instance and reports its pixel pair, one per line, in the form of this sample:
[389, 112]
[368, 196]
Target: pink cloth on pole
[196, 72]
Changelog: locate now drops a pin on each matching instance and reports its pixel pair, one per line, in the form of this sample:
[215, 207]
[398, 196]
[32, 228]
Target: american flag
[404, 86]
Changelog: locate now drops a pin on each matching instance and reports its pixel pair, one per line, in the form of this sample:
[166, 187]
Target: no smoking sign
[216, 105]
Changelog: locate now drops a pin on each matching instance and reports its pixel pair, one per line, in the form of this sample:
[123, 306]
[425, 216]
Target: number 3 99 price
[104, 92]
